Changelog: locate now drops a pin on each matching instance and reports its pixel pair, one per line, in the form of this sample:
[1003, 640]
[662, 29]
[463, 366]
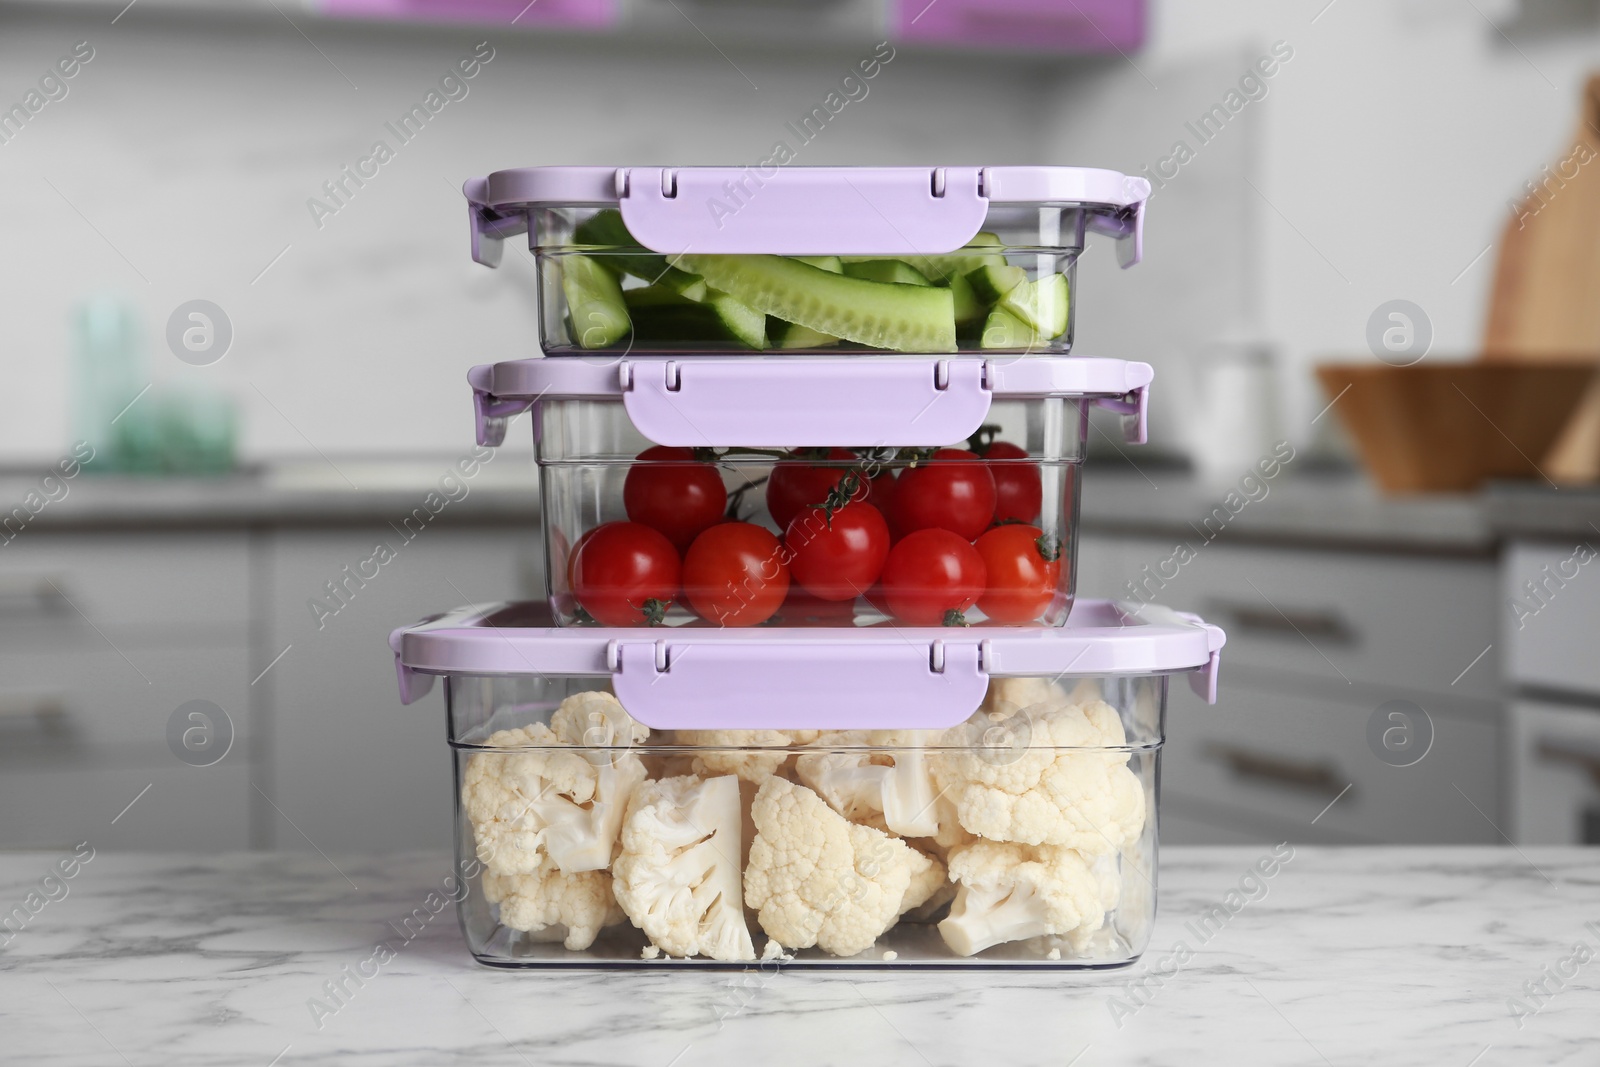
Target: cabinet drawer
[1555, 774]
[57, 587]
[1284, 757]
[186, 809]
[1404, 622]
[1552, 628]
[64, 708]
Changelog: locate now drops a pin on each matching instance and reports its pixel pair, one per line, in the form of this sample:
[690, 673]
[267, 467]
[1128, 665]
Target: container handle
[488, 227]
[676, 684]
[1134, 407]
[797, 404]
[799, 211]
[491, 414]
[1203, 679]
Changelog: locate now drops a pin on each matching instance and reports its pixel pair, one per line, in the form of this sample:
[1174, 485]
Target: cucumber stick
[789, 335]
[993, 282]
[607, 233]
[661, 315]
[1004, 330]
[594, 302]
[887, 270]
[939, 268]
[831, 264]
[1042, 304]
[906, 318]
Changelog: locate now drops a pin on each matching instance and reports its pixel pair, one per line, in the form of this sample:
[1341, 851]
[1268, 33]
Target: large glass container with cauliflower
[724, 799]
[812, 492]
[785, 259]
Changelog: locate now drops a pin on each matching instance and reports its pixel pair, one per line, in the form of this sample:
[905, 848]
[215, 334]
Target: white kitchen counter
[1392, 956]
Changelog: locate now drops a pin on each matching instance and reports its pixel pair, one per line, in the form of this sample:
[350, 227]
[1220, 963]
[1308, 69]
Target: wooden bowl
[1449, 427]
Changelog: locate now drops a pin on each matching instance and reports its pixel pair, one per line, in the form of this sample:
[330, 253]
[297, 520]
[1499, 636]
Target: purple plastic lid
[799, 402]
[776, 210]
[881, 678]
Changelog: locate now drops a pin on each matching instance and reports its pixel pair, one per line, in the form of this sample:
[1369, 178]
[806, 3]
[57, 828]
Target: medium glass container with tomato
[811, 491]
[870, 260]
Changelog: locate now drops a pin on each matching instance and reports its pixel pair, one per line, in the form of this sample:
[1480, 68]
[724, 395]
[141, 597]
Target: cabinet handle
[1316, 777]
[1575, 753]
[25, 594]
[1324, 624]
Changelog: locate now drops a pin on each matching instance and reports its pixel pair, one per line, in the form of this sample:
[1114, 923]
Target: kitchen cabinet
[103, 636]
[1550, 612]
[1319, 640]
[345, 766]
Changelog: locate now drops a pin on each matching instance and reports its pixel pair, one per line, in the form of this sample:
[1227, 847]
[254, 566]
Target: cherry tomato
[837, 557]
[800, 608]
[1024, 572]
[931, 577]
[881, 492]
[735, 575]
[796, 484]
[952, 491]
[625, 574]
[669, 490]
[1018, 486]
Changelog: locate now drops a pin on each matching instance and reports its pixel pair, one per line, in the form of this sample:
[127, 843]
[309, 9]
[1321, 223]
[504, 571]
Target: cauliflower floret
[573, 907]
[1013, 892]
[554, 800]
[762, 754]
[1007, 695]
[1069, 785]
[816, 879]
[677, 876]
[891, 789]
[928, 887]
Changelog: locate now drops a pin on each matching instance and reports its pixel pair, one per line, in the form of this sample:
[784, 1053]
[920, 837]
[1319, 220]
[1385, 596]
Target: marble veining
[1382, 955]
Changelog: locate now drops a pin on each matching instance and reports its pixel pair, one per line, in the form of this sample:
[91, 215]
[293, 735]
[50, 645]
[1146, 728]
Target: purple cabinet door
[1032, 25]
[594, 14]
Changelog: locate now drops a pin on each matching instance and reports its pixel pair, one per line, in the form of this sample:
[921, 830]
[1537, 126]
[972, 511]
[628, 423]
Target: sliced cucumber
[887, 270]
[969, 308]
[661, 315]
[1041, 304]
[607, 234]
[906, 318]
[992, 282]
[831, 264]
[1004, 330]
[938, 268]
[790, 335]
[594, 302]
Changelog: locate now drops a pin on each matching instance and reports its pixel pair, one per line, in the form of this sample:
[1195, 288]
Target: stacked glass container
[810, 687]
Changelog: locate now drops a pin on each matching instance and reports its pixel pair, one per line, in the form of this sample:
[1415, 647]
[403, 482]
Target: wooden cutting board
[1545, 304]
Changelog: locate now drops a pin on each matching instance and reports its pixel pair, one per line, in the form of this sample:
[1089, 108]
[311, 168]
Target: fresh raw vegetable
[1069, 786]
[1004, 330]
[891, 789]
[750, 755]
[931, 577]
[554, 805]
[789, 335]
[1023, 569]
[546, 898]
[677, 876]
[941, 267]
[906, 318]
[1012, 892]
[614, 247]
[1018, 485]
[734, 574]
[625, 574]
[797, 484]
[991, 283]
[953, 491]
[968, 308]
[831, 264]
[1041, 304]
[837, 553]
[816, 879]
[594, 302]
[662, 316]
[887, 270]
[669, 490]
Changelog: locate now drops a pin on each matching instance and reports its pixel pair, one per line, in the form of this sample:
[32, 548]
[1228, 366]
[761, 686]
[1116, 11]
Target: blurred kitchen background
[323, 393]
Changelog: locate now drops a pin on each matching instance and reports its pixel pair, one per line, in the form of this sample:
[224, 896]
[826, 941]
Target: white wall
[1392, 143]
[192, 146]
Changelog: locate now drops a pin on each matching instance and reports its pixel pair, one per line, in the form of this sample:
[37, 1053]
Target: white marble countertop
[1392, 956]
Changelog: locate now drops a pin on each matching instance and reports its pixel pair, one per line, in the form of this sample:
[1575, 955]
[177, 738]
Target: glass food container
[805, 259]
[745, 491]
[813, 798]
